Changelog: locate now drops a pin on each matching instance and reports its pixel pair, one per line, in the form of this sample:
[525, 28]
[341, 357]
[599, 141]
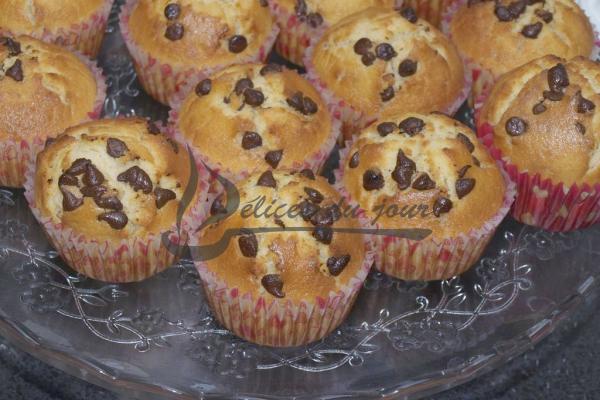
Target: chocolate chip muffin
[295, 272]
[252, 117]
[106, 192]
[76, 25]
[429, 174]
[44, 89]
[302, 22]
[498, 36]
[380, 61]
[542, 119]
[172, 41]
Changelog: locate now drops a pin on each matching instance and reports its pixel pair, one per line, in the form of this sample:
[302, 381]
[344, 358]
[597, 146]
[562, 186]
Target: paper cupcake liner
[163, 80]
[353, 120]
[16, 153]
[430, 10]
[128, 260]
[430, 258]
[553, 206]
[84, 37]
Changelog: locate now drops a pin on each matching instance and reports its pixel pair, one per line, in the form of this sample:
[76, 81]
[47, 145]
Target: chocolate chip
[217, 206]
[163, 196]
[203, 87]
[153, 129]
[242, 85]
[68, 180]
[308, 209]
[387, 94]
[410, 14]
[248, 244]
[503, 14]
[93, 191]
[385, 51]
[308, 174]
[476, 161]
[137, 178]
[323, 217]
[174, 145]
[516, 8]
[174, 31]
[464, 186]
[553, 96]
[270, 69]
[368, 58]
[404, 171]
[545, 15]
[354, 160]
[516, 126]
[373, 180]
[464, 139]
[584, 105]
[301, 8]
[273, 158]
[109, 203]
[264, 3]
[267, 180]
[323, 234]
[407, 67]
[539, 108]
[532, 31]
[558, 78]
[78, 167]
[116, 219]
[412, 126]
[92, 176]
[362, 46]
[580, 127]
[314, 20]
[237, 43]
[253, 97]
[273, 285]
[172, 11]
[385, 128]
[279, 223]
[251, 140]
[16, 71]
[441, 206]
[70, 202]
[463, 171]
[116, 148]
[336, 265]
[423, 182]
[14, 47]
[314, 195]
[309, 107]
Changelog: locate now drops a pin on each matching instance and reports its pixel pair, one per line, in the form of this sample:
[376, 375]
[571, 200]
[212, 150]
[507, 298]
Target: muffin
[543, 122]
[426, 173]
[497, 36]
[77, 25]
[302, 22]
[380, 61]
[431, 10]
[283, 279]
[106, 192]
[252, 117]
[171, 42]
[44, 89]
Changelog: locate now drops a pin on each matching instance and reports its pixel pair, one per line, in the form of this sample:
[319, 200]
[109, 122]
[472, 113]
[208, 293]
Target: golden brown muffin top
[112, 179]
[44, 89]
[295, 264]
[381, 61]
[329, 12]
[200, 33]
[428, 166]
[24, 17]
[546, 120]
[251, 117]
[501, 37]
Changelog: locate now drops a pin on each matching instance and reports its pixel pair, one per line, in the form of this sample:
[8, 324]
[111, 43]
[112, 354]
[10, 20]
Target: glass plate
[403, 339]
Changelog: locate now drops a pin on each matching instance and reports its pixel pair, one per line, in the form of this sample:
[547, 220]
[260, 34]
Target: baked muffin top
[390, 61]
[251, 117]
[44, 89]
[546, 119]
[112, 179]
[295, 264]
[200, 33]
[504, 34]
[430, 167]
[34, 16]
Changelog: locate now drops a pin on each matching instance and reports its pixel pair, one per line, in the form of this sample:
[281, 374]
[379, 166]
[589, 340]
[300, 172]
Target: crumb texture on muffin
[424, 171]
[502, 35]
[200, 32]
[546, 120]
[112, 179]
[44, 89]
[389, 61]
[308, 260]
[317, 12]
[252, 117]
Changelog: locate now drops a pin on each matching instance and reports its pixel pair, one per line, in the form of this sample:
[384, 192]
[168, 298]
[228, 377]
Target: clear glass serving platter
[157, 339]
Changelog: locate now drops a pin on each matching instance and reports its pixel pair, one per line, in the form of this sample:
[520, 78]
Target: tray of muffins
[295, 198]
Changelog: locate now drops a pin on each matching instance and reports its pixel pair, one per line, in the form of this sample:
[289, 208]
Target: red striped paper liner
[163, 80]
